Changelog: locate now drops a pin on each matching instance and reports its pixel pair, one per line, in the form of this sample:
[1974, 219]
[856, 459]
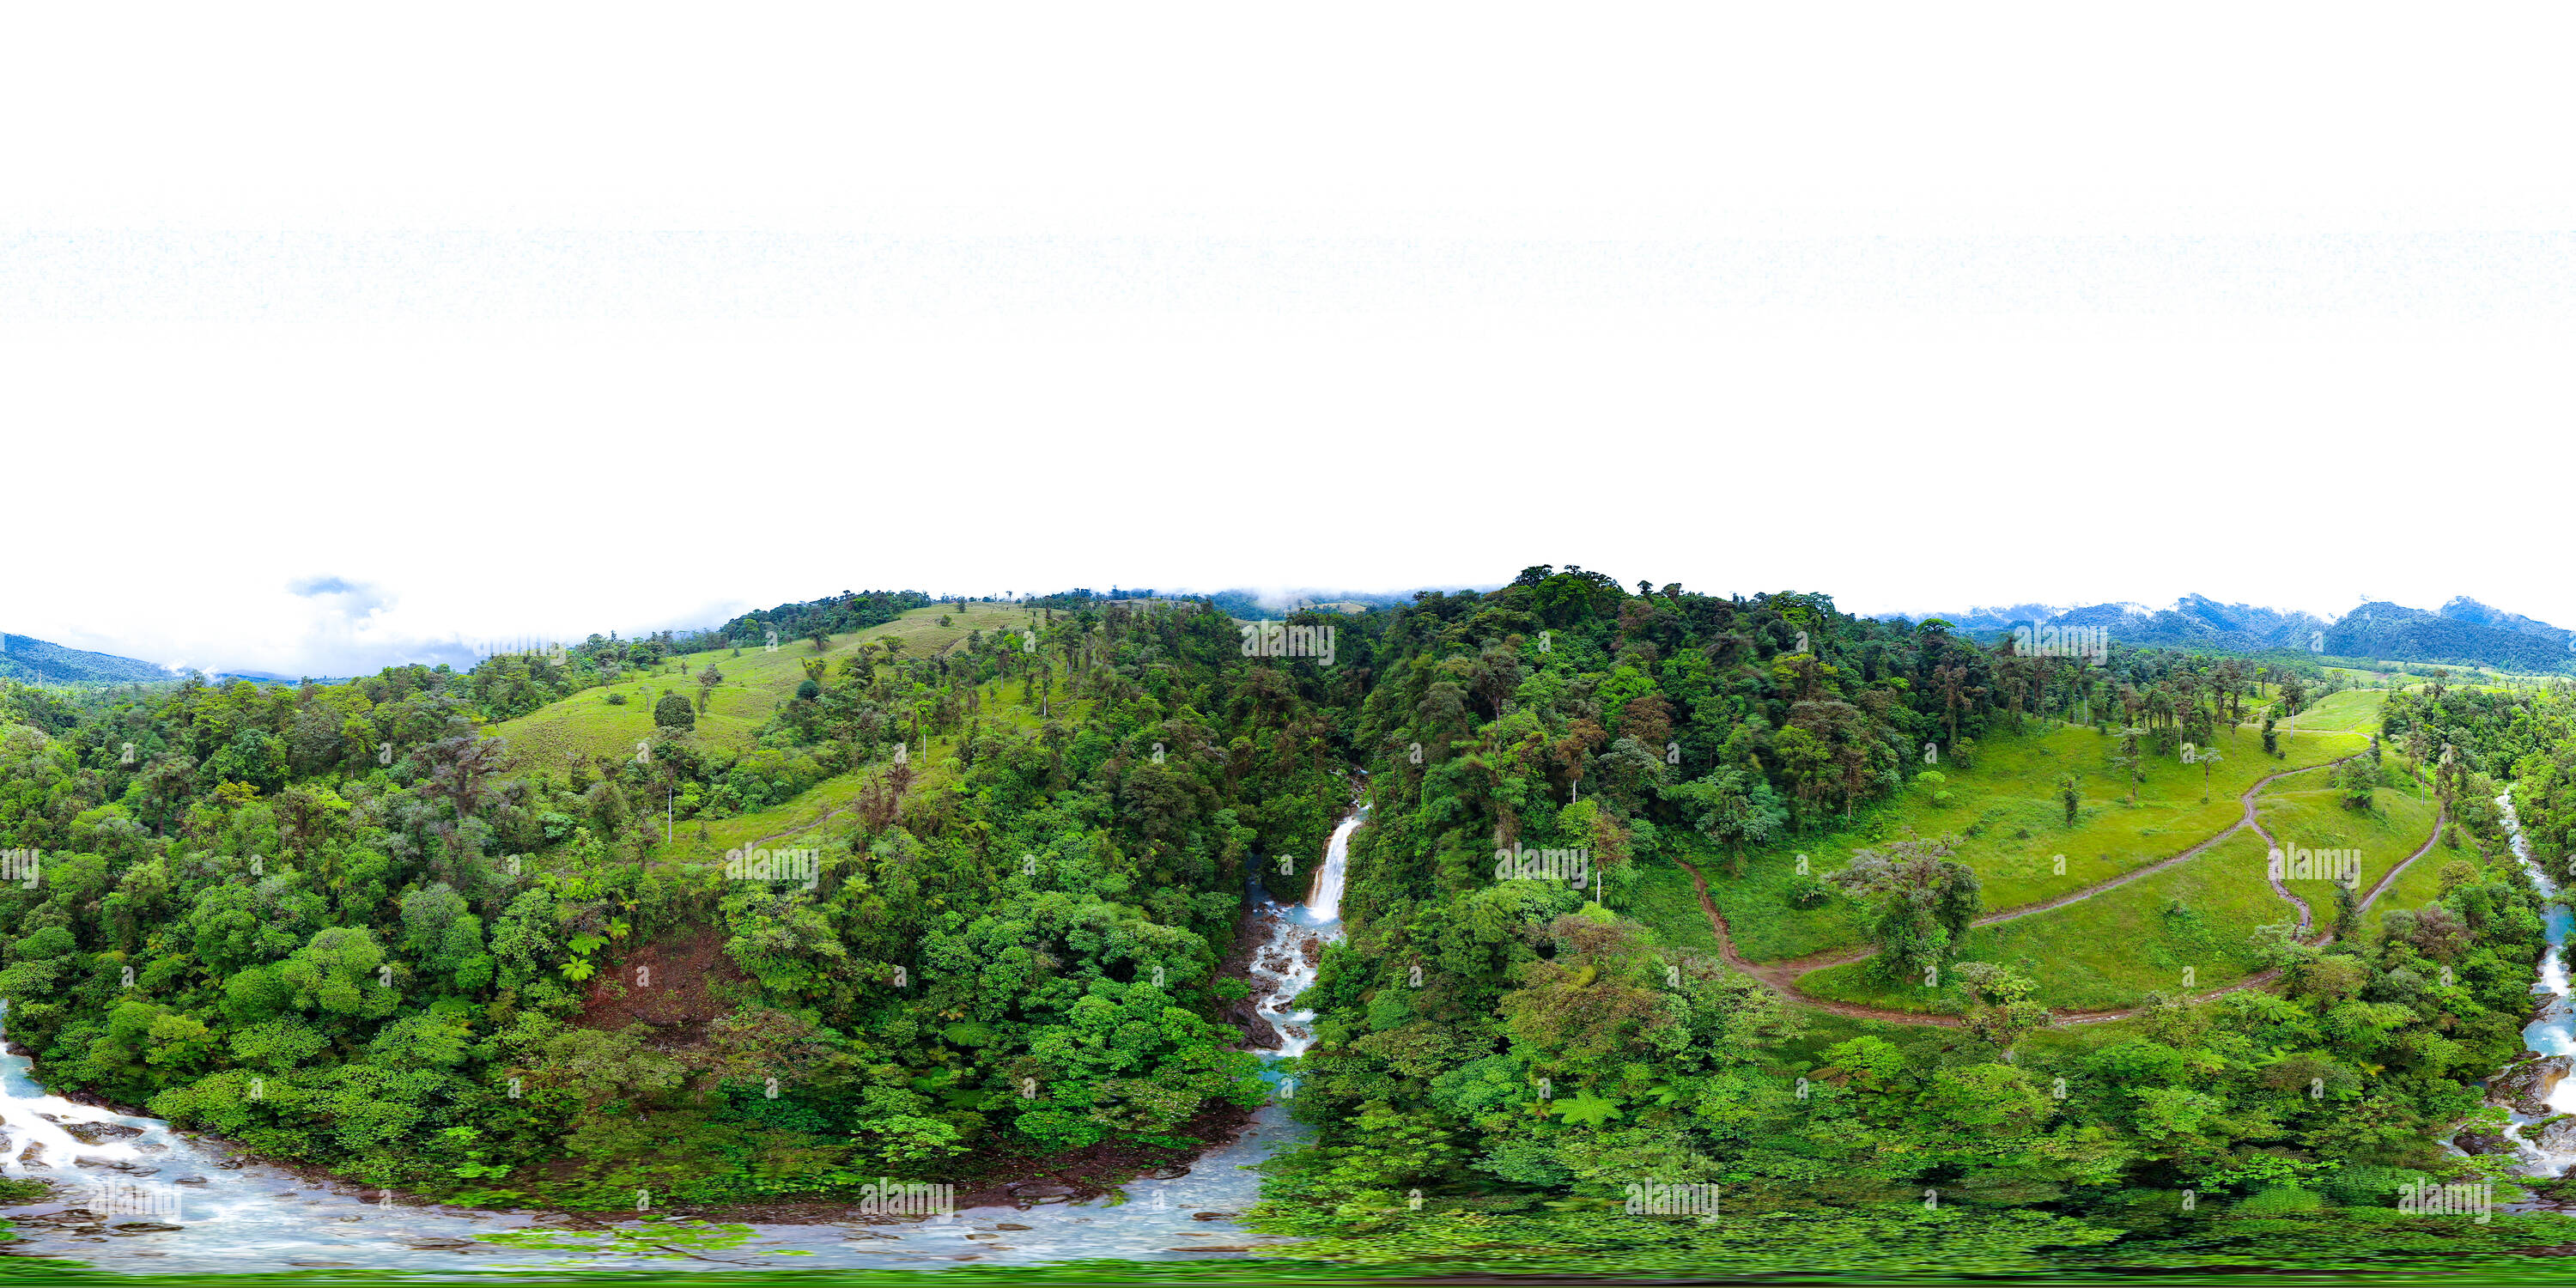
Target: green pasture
[2012, 827]
[2107, 952]
[2349, 711]
[790, 824]
[1661, 897]
[2417, 886]
[756, 682]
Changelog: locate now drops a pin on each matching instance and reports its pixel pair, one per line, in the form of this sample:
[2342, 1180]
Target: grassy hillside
[792, 823]
[2012, 827]
[2350, 711]
[2109, 951]
[587, 724]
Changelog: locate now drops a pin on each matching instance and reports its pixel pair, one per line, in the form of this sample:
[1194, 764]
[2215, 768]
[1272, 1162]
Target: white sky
[631, 316]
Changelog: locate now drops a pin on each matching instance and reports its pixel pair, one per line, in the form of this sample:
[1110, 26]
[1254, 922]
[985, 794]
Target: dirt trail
[1782, 976]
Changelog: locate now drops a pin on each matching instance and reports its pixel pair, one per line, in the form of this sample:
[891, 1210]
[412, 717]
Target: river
[164, 1201]
[2553, 1030]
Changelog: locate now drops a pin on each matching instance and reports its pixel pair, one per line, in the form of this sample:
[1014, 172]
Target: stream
[2553, 1031]
[135, 1194]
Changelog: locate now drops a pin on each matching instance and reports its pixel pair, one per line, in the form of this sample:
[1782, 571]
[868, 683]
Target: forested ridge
[341, 924]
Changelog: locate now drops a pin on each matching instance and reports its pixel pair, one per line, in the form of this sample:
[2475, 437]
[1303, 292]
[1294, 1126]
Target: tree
[2001, 1010]
[1924, 903]
[2207, 756]
[2070, 794]
[708, 679]
[609, 812]
[1952, 684]
[2131, 760]
[822, 638]
[673, 712]
[2294, 694]
[461, 771]
[2271, 739]
[337, 973]
[1735, 807]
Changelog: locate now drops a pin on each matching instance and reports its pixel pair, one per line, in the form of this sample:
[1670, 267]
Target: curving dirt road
[1782, 976]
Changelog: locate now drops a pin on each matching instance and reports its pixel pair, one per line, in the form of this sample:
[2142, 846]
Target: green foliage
[365, 934]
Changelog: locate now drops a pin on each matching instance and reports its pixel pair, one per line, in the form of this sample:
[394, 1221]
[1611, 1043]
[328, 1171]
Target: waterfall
[1324, 898]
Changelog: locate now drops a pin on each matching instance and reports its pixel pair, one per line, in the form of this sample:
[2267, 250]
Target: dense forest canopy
[344, 924]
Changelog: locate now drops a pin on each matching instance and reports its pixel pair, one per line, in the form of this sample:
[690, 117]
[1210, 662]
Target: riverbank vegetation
[946, 891]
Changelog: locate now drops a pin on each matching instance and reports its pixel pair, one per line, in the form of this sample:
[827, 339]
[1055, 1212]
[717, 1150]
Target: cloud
[312, 587]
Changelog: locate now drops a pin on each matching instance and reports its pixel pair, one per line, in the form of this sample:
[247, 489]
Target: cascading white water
[233, 1216]
[2553, 1031]
[1293, 947]
[1324, 899]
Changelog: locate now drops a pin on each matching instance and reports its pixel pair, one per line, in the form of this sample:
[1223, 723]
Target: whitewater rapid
[2553, 1030]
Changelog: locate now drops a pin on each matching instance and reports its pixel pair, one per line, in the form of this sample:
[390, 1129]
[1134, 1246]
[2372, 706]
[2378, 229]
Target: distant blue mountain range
[34, 661]
[2461, 631]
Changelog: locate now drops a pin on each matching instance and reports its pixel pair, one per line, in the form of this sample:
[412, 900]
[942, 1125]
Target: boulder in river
[1257, 1030]
[2524, 1087]
[101, 1133]
[2556, 1135]
[2476, 1141]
